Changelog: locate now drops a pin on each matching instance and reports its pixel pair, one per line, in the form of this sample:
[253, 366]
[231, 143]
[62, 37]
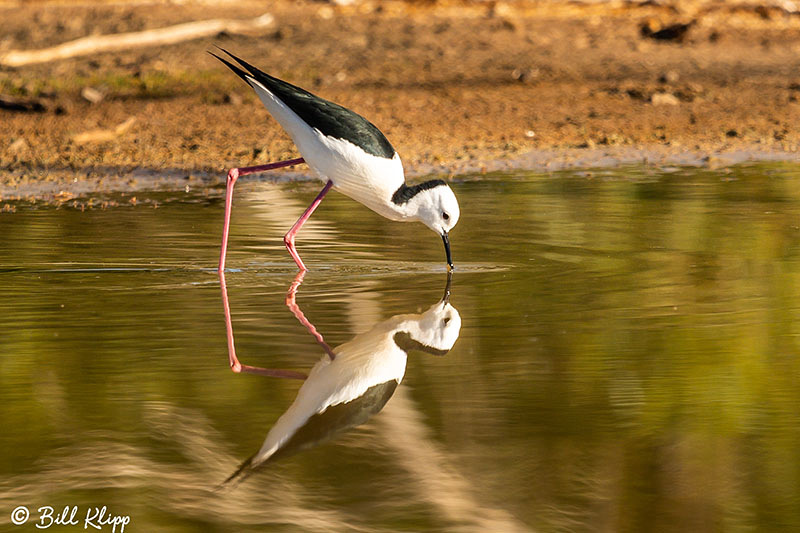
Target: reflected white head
[439, 326]
[435, 331]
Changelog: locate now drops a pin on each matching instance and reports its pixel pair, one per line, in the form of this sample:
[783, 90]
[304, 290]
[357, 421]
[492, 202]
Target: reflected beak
[447, 251]
[446, 297]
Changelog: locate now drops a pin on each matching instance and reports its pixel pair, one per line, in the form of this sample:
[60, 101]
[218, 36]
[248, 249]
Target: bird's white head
[435, 331]
[436, 207]
[438, 327]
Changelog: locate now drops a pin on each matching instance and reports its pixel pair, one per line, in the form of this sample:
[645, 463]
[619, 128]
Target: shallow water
[627, 358]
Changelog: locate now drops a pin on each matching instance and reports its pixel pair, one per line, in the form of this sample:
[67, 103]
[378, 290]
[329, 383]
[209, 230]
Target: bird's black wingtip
[218, 47]
[243, 472]
[235, 68]
[245, 70]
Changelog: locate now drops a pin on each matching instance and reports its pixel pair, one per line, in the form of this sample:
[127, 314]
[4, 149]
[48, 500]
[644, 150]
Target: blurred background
[455, 85]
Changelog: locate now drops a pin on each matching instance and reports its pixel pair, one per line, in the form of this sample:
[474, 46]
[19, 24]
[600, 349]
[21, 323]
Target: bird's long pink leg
[291, 303]
[236, 366]
[288, 239]
[233, 175]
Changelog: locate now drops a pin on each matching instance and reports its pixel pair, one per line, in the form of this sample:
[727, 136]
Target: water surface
[627, 358]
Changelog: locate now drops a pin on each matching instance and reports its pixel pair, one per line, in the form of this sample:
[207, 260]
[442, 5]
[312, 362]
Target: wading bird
[351, 382]
[348, 153]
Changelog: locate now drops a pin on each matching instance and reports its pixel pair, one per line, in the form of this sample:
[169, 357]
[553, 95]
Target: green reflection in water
[628, 358]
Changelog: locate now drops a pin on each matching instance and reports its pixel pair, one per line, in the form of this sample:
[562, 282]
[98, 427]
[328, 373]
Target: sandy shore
[457, 87]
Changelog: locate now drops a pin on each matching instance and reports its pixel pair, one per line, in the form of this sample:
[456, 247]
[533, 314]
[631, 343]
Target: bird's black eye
[445, 216]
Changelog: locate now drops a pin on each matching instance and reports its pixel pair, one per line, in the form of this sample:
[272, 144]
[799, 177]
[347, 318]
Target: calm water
[620, 352]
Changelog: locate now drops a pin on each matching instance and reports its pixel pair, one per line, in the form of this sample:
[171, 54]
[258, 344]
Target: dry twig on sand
[104, 135]
[124, 41]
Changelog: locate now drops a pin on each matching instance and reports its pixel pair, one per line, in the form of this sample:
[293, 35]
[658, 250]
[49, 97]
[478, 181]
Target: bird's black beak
[447, 251]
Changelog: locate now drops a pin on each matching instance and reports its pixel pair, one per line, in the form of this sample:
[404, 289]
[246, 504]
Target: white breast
[368, 360]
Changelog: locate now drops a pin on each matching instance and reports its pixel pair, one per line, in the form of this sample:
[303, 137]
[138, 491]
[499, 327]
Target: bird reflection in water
[351, 382]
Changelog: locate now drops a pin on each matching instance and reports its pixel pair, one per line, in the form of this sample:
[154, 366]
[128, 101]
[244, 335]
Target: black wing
[329, 118]
[326, 425]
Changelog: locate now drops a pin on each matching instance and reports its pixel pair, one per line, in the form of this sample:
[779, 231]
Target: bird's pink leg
[288, 239]
[233, 175]
[236, 366]
[295, 309]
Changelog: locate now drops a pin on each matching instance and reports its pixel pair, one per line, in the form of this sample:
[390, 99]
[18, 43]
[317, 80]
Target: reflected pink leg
[236, 366]
[295, 309]
[288, 239]
[233, 175]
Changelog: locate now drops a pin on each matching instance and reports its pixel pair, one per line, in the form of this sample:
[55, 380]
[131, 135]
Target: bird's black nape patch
[406, 193]
[329, 118]
[404, 341]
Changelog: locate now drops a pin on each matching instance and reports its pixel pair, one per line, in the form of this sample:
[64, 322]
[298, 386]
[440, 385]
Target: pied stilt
[348, 153]
[351, 382]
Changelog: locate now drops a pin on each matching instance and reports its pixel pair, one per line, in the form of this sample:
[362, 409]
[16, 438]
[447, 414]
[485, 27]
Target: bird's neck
[404, 203]
[404, 194]
[403, 211]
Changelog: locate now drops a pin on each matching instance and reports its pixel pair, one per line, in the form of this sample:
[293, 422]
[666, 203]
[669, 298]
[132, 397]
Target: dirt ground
[456, 86]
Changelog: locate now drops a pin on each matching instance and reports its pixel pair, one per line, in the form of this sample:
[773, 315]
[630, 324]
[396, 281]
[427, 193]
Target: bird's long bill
[447, 250]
